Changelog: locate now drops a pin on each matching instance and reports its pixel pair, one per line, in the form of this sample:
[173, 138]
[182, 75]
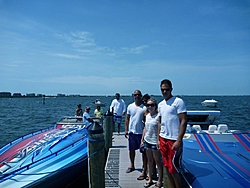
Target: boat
[209, 103]
[204, 118]
[97, 102]
[216, 156]
[52, 157]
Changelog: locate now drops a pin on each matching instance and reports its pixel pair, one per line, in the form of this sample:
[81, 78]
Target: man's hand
[158, 144]
[176, 145]
[126, 134]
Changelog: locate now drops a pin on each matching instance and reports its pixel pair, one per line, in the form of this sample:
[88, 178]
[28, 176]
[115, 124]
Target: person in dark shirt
[79, 111]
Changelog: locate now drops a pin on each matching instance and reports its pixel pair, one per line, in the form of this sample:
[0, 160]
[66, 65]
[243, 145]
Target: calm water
[20, 116]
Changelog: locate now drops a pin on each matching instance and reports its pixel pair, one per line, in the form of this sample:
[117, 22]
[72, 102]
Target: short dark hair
[145, 97]
[166, 81]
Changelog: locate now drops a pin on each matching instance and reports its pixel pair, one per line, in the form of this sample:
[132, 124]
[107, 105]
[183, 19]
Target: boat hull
[53, 157]
[209, 103]
[217, 160]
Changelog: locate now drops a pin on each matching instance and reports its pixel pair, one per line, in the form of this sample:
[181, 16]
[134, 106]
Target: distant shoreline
[73, 96]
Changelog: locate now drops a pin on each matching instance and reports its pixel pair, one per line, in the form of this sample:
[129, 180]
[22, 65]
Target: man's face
[117, 97]
[137, 95]
[166, 91]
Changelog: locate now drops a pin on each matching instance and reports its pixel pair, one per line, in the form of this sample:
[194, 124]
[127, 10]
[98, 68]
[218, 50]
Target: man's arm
[158, 135]
[90, 120]
[111, 108]
[124, 108]
[127, 125]
[183, 126]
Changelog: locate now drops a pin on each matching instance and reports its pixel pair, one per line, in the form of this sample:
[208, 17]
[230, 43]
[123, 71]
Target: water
[20, 116]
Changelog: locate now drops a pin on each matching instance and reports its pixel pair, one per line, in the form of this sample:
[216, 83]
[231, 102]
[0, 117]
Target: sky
[102, 47]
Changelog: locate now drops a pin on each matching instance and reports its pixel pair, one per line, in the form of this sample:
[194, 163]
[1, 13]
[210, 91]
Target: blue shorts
[134, 141]
[149, 146]
[117, 119]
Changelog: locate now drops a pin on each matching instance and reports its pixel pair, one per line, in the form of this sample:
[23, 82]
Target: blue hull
[52, 157]
[217, 160]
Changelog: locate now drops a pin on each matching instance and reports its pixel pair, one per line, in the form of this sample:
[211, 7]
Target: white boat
[204, 118]
[209, 103]
[99, 103]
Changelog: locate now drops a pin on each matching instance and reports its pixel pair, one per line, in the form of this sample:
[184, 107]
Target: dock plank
[117, 164]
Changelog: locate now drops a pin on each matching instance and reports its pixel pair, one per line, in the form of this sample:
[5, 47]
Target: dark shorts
[117, 119]
[134, 141]
[149, 146]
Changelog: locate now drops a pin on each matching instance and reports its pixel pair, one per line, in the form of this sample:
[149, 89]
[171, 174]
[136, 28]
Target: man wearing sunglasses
[133, 131]
[171, 129]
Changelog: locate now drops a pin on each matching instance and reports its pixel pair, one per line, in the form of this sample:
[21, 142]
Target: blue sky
[102, 47]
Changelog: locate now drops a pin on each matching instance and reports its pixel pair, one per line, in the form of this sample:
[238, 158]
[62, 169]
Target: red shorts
[170, 158]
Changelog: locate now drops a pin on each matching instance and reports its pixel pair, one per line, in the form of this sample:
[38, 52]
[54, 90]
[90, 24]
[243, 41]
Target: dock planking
[118, 162]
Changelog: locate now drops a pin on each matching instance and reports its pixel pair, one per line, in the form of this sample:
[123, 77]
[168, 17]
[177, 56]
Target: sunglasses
[136, 95]
[168, 89]
[152, 105]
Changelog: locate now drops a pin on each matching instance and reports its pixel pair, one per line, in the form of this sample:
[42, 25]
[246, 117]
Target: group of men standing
[171, 124]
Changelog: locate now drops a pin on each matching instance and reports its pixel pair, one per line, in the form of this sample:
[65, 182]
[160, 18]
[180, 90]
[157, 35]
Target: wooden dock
[117, 164]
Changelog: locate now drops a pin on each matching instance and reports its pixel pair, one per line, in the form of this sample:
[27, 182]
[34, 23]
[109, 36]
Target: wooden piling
[96, 157]
[113, 125]
[43, 99]
[108, 131]
[165, 179]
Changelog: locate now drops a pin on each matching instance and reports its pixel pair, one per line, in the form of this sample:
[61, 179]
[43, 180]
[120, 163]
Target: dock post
[113, 125]
[108, 131]
[165, 179]
[43, 99]
[96, 156]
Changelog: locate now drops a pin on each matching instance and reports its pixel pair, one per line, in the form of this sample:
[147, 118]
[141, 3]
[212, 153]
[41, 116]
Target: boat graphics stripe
[247, 136]
[33, 144]
[244, 140]
[78, 146]
[224, 155]
[14, 149]
[237, 172]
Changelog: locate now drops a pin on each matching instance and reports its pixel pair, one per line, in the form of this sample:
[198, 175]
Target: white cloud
[135, 50]
[79, 38]
[69, 56]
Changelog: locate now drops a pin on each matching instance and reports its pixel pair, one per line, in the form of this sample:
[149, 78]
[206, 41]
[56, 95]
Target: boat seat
[212, 128]
[222, 128]
[197, 128]
[188, 129]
